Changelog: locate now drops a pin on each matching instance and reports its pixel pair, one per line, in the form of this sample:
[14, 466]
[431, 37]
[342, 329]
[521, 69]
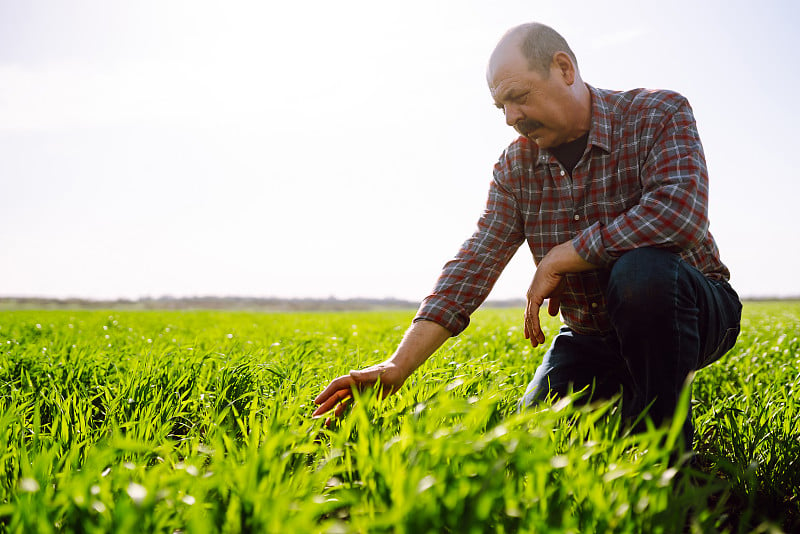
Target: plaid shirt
[642, 181]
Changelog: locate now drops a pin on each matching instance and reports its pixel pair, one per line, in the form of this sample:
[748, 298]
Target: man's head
[533, 77]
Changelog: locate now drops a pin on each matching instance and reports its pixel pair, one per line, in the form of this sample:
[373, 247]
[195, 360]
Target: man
[610, 191]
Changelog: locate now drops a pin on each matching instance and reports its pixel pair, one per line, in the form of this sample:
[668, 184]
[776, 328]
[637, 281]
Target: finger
[338, 412]
[532, 323]
[555, 298]
[340, 396]
[528, 328]
[553, 305]
[529, 311]
[537, 326]
[536, 333]
[336, 385]
[342, 407]
[533, 336]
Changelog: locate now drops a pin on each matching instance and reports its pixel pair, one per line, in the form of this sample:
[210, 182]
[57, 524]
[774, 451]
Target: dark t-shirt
[570, 153]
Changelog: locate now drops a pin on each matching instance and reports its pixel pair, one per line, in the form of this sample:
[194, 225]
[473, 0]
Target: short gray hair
[539, 43]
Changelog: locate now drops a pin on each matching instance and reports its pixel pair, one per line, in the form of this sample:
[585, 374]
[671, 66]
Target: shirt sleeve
[672, 212]
[467, 279]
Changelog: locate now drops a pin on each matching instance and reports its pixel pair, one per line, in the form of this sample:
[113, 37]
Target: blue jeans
[668, 320]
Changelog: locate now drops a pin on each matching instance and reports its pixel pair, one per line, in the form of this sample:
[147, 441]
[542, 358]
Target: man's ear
[563, 64]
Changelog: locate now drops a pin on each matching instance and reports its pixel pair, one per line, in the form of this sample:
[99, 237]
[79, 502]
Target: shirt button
[594, 305]
[563, 173]
[577, 217]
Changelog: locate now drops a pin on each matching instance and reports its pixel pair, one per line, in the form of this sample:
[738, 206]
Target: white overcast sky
[315, 149]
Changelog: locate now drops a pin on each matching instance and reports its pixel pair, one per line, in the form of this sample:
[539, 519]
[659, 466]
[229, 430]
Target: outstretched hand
[419, 342]
[339, 392]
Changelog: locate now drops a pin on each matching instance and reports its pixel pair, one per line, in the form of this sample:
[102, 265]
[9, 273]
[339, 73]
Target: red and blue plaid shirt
[641, 182]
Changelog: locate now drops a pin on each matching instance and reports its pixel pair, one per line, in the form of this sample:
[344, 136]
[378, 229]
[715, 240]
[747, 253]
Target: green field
[199, 422]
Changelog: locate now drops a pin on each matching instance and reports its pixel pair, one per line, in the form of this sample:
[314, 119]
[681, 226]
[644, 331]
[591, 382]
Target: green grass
[199, 422]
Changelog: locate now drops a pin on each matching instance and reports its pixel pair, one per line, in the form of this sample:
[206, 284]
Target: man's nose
[513, 115]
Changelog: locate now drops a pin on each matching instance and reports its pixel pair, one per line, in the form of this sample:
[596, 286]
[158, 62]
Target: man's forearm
[420, 341]
[563, 259]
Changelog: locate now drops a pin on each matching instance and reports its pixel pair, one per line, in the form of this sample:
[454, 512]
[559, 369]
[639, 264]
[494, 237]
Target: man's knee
[643, 281]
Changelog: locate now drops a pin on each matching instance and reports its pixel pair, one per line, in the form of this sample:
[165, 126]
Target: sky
[344, 149]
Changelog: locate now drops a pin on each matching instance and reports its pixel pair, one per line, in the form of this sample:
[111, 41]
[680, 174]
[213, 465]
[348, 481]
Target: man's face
[535, 105]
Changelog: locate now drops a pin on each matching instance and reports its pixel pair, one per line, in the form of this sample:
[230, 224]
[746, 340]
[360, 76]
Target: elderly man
[610, 191]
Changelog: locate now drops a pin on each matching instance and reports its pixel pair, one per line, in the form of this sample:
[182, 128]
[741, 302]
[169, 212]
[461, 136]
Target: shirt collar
[600, 131]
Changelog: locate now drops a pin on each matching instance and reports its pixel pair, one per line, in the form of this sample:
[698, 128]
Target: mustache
[528, 125]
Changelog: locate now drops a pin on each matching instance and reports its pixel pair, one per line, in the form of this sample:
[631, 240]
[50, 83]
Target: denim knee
[642, 281]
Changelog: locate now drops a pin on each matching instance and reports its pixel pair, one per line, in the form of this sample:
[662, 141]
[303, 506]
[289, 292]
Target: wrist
[402, 365]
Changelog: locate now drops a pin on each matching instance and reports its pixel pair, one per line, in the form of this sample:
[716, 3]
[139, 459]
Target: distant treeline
[226, 303]
[248, 303]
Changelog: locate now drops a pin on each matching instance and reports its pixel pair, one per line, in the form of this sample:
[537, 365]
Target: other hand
[339, 392]
[549, 283]
[544, 286]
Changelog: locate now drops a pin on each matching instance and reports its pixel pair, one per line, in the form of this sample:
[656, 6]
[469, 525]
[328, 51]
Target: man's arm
[462, 286]
[419, 342]
[672, 212]
[548, 283]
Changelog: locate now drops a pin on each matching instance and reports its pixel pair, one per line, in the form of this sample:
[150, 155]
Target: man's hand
[545, 285]
[548, 283]
[419, 342]
[339, 392]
